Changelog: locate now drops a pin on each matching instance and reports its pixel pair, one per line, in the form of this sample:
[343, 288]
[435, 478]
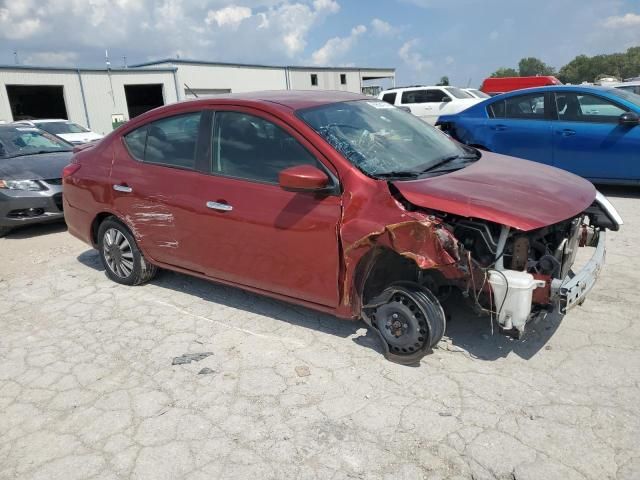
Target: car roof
[48, 120]
[584, 88]
[415, 87]
[293, 99]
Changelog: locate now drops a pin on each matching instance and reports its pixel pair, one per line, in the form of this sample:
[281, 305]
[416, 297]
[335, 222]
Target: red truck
[494, 86]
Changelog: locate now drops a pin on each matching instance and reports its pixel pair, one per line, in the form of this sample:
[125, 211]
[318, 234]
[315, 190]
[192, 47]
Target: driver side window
[577, 107]
[251, 148]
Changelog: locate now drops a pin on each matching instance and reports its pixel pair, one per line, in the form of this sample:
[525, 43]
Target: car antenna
[190, 90]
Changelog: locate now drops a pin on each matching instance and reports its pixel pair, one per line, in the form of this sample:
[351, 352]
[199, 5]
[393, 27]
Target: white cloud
[449, 60]
[380, 27]
[413, 59]
[57, 59]
[151, 29]
[623, 21]
[330, 6]
[494, 35]
[336, 47]
[231, 16]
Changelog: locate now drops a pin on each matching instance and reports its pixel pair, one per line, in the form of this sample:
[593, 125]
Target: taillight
[70, 169]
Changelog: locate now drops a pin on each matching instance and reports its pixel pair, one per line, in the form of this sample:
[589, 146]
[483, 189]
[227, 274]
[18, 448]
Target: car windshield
[456, 92]
[626, 95]
[19, 141]
[380, 139]
[58, 128]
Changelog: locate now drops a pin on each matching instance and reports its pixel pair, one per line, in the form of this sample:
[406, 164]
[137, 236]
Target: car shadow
[465, 330]
[252, 303]
[36, 230]
[474, 333]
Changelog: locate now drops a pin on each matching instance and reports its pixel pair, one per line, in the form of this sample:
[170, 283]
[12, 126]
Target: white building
[97, 98]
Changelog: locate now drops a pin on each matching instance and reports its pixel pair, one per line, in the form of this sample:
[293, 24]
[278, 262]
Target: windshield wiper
[40, 152]
[436, 167]
[399, 174]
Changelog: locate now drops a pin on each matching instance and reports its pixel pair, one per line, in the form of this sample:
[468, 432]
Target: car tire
[4, 231]
[409, 321]
[123, 261]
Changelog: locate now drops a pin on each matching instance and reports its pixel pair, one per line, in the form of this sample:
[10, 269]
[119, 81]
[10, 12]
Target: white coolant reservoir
[513, 292]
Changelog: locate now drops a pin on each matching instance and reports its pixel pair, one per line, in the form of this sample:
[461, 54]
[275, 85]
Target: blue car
[593, 132]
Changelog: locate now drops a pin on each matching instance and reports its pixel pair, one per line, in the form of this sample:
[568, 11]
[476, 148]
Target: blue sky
[423, 39]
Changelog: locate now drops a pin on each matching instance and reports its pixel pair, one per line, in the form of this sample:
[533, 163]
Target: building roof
[253, 65]
[87, 69]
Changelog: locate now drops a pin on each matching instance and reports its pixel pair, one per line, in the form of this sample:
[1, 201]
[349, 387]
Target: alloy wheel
[118, 253]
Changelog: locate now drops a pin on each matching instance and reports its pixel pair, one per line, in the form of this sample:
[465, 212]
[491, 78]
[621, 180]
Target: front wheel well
[381, 267]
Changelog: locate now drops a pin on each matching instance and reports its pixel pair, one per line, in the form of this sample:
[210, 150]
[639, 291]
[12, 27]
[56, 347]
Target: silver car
[31, 163]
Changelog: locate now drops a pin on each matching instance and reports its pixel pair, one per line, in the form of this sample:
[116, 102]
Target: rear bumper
[573, 290]
[19, 207]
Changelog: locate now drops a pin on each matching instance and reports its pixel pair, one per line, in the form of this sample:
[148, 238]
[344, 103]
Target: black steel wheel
[409, 321]
[122, 259]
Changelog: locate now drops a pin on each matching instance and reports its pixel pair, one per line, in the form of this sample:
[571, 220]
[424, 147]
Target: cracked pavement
[88, 389]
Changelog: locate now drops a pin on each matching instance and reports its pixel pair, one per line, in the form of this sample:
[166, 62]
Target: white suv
[428, 103]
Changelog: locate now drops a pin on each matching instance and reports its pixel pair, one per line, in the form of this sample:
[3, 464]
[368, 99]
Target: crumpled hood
[34, 167]
[505, 190]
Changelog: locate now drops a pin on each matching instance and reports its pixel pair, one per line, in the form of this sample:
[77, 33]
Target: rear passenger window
[171, 141]
[496, 110]
[526, 107]
[390, 98]
[251, 148]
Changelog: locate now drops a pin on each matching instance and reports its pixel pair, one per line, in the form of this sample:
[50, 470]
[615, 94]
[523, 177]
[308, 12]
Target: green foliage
[588, 69]
[444, 81]
[531, 66]
[505, 72]
[582, 68]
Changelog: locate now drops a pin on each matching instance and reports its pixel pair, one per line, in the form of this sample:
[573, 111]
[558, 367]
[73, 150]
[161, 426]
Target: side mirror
[629, 119]
[446, 99]
[303, 178]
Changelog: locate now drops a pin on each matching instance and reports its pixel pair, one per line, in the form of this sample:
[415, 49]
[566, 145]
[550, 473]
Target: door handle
[222, 207]
[499, 128]
[123, 188]
[567, 132]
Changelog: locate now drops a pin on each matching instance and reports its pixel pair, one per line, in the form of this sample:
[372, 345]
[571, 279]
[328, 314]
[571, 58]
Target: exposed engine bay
[514, 274]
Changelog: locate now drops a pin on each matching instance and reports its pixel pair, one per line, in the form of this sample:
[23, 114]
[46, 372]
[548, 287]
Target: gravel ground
[101, 381]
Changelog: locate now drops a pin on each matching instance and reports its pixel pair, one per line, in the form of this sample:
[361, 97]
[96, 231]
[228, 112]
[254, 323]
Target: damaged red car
[340, 203]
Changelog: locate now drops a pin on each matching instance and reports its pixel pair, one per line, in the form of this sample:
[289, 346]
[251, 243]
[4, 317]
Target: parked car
[590, 131]
[474, 92]
[428, 103]
[630, 86]
[69, 131]
[340, 203]
[495, 86]
[31, 163]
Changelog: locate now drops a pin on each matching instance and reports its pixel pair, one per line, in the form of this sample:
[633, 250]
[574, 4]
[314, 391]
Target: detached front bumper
[573, 289]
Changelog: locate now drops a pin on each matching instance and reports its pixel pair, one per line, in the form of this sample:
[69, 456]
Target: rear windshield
[456, 92]
[58, 128]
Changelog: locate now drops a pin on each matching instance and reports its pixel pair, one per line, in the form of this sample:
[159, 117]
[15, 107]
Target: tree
[504, 72]
[444, 81]
[588, 69]
[532, 66]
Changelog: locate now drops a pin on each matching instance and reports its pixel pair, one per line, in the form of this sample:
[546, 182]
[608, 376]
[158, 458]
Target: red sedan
[338, 202]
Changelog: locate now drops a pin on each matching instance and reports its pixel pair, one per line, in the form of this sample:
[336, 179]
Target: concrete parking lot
[88, 388]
